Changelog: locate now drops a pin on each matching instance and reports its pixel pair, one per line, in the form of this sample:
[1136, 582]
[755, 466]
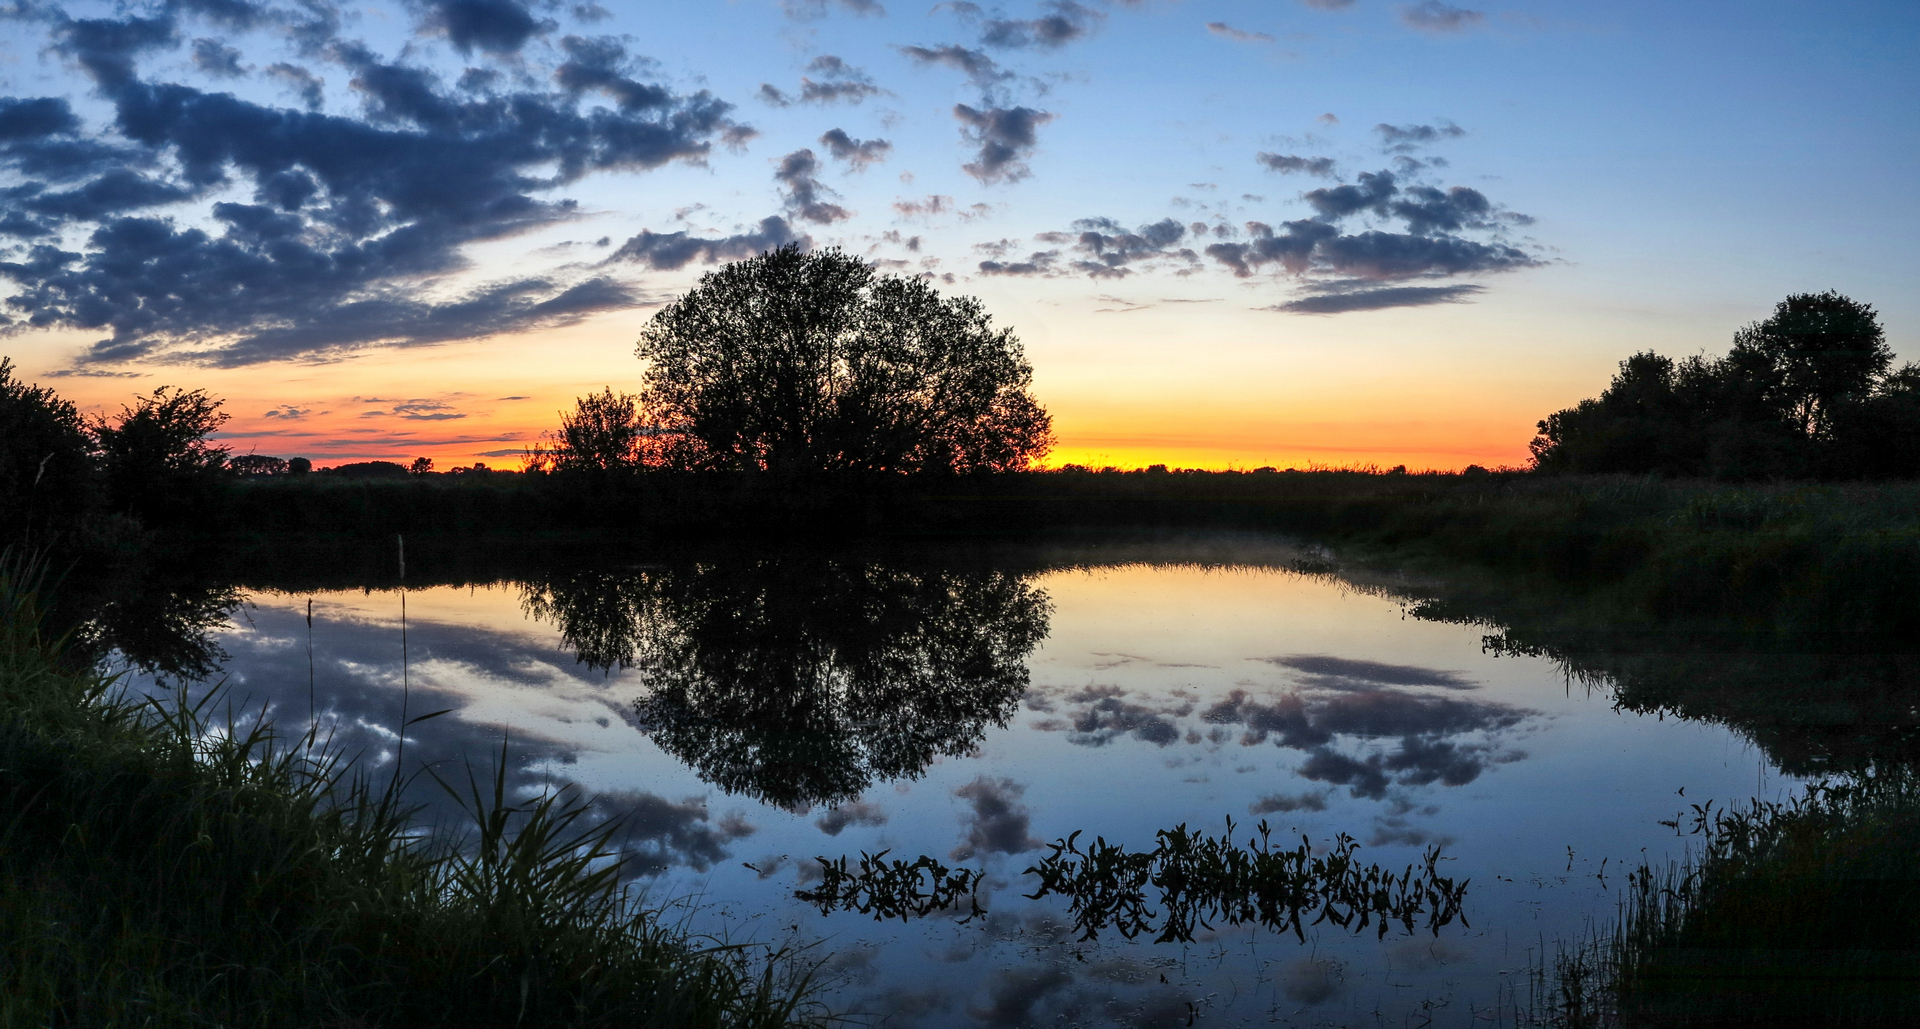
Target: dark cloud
[858, 813]
[980, 69]
[1347, 673]
[1005, 136]
[797, 173]
[1221, 28]
[1404, 138]
[1333, 203]
[1275, 803]
[1065, 22]
[1286, 163]
[1039, 263]
[998, 822]
[667, 251]
[1107, 248]
[838, 81]
[353, 218]
[1328, 5]
[494, 26]
[1389, 255]
[856, 152]
[1292, 250]
[1378, 299]
[1432, 16]
[217, 59]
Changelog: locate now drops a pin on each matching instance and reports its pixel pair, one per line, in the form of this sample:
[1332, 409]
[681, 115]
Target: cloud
[1314, 980]
[1405, 138]
[1221, 28]
[797, 172]
[1336, 202]
[217, 59]
[998, 823]
[1328, 5]
[1104, 717]
[1039, 263]
[980, 69]
[1436, 18]
[1347, 673]
[936, 204]
[1005, 136]
[838, 82]
[858, 153]
[310, 88]
[1378, 299]
[1287, 163]
[495, 26]
[95, 373]
[1107, 248]
[354, 225]
[807, 10]
[1066, 22]
[658, 833]
[1278, 803]
[669, 251]
[858, 813]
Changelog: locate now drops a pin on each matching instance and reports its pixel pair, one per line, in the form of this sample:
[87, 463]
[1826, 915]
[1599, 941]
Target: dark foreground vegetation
[161, 868]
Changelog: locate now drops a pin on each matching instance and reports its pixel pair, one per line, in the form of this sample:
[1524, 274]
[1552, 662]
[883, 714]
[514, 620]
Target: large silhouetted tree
[46, 473]
[798, 362]
[158, 457]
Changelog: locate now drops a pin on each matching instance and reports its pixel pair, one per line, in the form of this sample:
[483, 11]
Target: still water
[744, 715]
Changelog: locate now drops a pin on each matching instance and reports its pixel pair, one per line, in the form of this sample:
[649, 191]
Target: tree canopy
[1808, 392]
[796, 363]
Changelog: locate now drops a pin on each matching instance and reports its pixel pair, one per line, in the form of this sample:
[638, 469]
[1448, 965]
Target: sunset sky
[1228, 233]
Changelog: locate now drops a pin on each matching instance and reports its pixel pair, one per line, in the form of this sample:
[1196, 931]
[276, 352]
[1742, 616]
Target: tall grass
[159, 866]
[1796, 913]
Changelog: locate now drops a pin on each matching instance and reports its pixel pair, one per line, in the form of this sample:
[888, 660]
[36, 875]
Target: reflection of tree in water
[802, 680]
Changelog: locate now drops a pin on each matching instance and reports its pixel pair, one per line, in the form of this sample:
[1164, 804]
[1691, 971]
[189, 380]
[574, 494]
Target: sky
[1228, 234]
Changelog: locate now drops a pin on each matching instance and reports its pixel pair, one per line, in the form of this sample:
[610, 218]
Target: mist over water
[745, 714]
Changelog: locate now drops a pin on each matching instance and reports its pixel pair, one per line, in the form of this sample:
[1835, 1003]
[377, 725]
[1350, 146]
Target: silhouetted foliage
[157, 458]
[256, 466]
[299, 466]
[46, 473]
[368, 470]
[604, 435]
[798, 363]
[421, 465]
[801, 680]
[1805, 393]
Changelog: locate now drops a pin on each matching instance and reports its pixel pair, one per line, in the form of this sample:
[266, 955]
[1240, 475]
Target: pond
[747, 713]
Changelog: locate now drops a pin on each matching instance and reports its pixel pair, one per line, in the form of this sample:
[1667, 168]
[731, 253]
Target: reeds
[165, 864]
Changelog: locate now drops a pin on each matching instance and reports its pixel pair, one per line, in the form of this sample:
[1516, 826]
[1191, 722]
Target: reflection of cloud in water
[1341, 673]
[1304, 722]
[1275, 803]
[1313, 980]
[1104, 717]
[356, 671]
[857, 813]
[998, 822]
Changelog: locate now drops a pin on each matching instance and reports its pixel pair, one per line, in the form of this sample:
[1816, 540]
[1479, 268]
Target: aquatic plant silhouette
[802, 679]
[1202, 881]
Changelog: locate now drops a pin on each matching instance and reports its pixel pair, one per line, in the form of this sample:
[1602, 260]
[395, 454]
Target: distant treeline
[1809, 393]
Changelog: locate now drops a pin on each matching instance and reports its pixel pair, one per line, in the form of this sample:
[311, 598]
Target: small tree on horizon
[799, 363]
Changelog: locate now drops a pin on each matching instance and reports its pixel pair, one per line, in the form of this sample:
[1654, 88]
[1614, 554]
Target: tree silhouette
[1807, 392]
[804, 680]
[46, 474]
[158, 461]
[798, 363]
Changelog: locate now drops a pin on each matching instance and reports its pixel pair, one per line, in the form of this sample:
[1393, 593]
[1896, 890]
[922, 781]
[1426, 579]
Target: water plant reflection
[1202, 881]
[803, 679]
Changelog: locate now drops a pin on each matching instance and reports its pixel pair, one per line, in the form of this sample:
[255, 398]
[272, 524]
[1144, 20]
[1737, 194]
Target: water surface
[744, 714]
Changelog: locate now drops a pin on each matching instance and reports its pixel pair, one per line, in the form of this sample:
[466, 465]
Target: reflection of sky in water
[1161, 695]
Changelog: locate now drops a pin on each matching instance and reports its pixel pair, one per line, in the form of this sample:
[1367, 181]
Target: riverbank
[160, 867]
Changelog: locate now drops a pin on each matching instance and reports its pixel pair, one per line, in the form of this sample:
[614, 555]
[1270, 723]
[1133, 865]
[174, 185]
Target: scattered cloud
[1006, 137]
[499, 27]
[1436, 18]
[837, 82]
[1064, 22]
[858, 153]
[980, 69]
[797, 172]
[1328, 5]
[1279, 803]
[807, 10]
[1378, 299]
[217, 59]
[1221, 28]
[1288, 163]
[1326, 672]
[668, 251]
[1400, 139]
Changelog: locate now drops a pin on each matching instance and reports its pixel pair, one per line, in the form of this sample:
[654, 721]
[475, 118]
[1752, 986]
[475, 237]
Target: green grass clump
[159, 869]
[1800, 913]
